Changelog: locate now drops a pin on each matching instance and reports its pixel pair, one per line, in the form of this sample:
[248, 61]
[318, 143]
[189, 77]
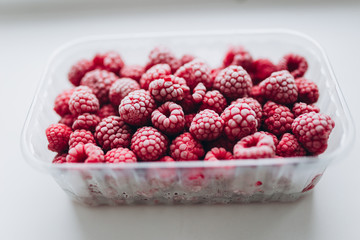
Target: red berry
[83, 101]
[87, 153]
[81, 136]
[188, 119]
[222, 142]
[61, 105]
[207, 125]
[240, 121]
[308, 91]
[254, 104]
[186, 148]
[195, 72]
[168, 88]
[120, 155]
[162, 178]
[132, 71]
[121, 88]
[289, 147]
[60, 158]
[188, 104]
[199, 93]
[58, 136]
[163, 55]
[216, 154]
[112, 132]
[261, 69]
[301, 108]
[295, 64]
[149, 144]
[110, 61]
[86, 121]
[277, 118]
[280, 87]
[239, 56]
[78, 70]
[186, 58]
[276, 140]
[313, 130]
[255, 146]
[68, 120]
[169, 118]
[107, 111]
[257, 94]
[136, 107]
[155, 72]
[233, 82]
[214, 100]
[214, 72]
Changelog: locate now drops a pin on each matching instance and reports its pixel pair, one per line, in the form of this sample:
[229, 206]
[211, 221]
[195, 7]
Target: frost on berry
[216, 154]
[186, 148]
[107, 110]
[214, 100]
[132, 71]
[301, 108]
[168, 88]
[239, 56]
[58, 136]
[207, 125]
[83, 101]
[255, 146]
[163, 55]
[68, 120]
[86, 121]
[78, 70]
[195, 72]
[289, 147]
[61, 105]
[308, 91]
[277, 118]
[169, 118]
[186, 58]
[155, 72]
[60, 158]
[121, 88]
[120, 155]
[110, 61]
[87, 153]
[294, 63]
[257, 94]
[261, 69]
[254, 104]
[81, 136]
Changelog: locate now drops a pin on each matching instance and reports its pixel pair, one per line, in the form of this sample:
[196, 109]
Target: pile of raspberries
[181, 109]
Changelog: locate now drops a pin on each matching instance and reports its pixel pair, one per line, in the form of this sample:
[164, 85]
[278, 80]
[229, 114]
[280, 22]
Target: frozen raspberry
[188, 119]
[99, 81]
[313, 130]
[107, 111]
[301, 108]
[186, 148]
[136, 107]
[240, 121]
[255, 146]
[237, 55]
[58, 136]
[121, 88]
[214, 100]
[254, 104]
[110, 61]
[81, 136]
[60, 158]
[280, 87]
[289, 147]
[214, 72]
[195, 72]
[207, 125]
[112, 132]
[83, 101]
[155, 72]
[261, 69]
[308, 91]
[61, 105]
[216, 154]
[168, 88]
[233, 82]
[295, 64]
[163, 55]
[169, 118]
[188, 104]
[166, 159]
[132, 71]
[120, 155]
[68, 120]
[277, 118]
[149, 144]
[87, 153]
[78, 71]
[199, 93]
[186, 58]
[86, 121]
[257, 94]
[276, 140]
[222, 142]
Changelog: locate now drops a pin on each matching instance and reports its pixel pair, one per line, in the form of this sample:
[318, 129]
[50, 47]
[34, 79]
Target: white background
[32, 205]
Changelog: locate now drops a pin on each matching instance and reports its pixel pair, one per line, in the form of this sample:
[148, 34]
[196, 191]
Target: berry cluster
[182, 109]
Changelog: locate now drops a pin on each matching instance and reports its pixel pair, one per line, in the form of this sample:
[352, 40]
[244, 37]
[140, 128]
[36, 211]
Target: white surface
[32, 206]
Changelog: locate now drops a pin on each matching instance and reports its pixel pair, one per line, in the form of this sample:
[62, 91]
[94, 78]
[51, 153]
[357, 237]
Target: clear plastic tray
[237, 181]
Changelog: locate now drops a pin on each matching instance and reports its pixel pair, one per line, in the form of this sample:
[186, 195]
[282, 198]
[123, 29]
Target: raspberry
[58, 136]
[216, 154]
[107, 111]
[121, 88]
[99, 81]
[87, 153]
[261, 69]
[68, 120]
[199, 93]
[166, 159]
[186, 148]
[237, 55]
[163, 55]
[112, 132]
[276, 140]
[308, 91]
[222, 142]
[168, 88]
[149, 144]
[254, 104]
[257, 94]
[83, 101]
[136, 107]
[313, 130]
[78, 70]
[295, 64]
[255, 146]
[195, 72]
[188, 120]
[233, 82]
[214, 100]
[301, 108]
[60, 158]
[120, 155]
[110, 61]
[81, 136]
[86, 121]
[280, 87]
[132, 71]
[155, 72]
[207, 125]
[186, 58]
[214, 72]
[277, 118]
[240, 121]
[289, 147]
[169, 118]
[188, 104]
[61, 105]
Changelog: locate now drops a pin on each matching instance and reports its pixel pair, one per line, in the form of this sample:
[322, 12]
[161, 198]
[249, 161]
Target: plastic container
[237, 181]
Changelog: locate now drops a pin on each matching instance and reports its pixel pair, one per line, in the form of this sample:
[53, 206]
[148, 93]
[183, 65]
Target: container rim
[43, 166]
